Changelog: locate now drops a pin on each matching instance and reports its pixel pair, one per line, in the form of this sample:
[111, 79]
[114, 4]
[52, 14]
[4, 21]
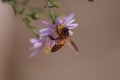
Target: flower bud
[35, 15]
[57, 5]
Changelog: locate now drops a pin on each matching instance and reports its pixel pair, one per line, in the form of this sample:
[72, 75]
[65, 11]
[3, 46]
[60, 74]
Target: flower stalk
[29, 25]
[51, 4]
[52, 15]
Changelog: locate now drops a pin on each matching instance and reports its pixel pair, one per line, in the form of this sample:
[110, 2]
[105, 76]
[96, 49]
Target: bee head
[65, 29]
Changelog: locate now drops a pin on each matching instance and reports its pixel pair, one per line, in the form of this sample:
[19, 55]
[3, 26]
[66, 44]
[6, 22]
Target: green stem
[25, 19]
[52, 15]
[29, 25]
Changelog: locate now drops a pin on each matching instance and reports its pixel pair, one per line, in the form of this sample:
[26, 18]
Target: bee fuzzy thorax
[59, 28]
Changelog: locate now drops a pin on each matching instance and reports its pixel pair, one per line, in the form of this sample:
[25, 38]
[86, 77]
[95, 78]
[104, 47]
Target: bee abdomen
[56, 47]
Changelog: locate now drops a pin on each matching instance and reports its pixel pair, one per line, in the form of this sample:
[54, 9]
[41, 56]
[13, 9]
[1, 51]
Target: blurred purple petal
[70, 32]
[71, 26]
[35, 53]
[38, 44]
[46, 23]
[70, 22]
[33, 40]
[45, 31]
[58, 21]
[67, 19]
[75, 24]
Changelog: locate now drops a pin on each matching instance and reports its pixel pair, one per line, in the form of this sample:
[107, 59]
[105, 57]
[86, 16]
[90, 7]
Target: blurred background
[98, 38]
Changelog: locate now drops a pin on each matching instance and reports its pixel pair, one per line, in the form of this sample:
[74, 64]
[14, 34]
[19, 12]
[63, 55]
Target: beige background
[98, 38]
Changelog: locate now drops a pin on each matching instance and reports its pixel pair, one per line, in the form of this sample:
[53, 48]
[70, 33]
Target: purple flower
[41, 44]
[44, 42]
[66, 22]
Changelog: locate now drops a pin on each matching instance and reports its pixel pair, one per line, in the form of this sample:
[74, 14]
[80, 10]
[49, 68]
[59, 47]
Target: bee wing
[73, 46]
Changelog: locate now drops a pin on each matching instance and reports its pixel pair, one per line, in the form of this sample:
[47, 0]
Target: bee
[62, 38]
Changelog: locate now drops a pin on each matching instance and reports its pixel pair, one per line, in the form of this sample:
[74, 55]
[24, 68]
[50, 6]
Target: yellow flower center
[59, 29]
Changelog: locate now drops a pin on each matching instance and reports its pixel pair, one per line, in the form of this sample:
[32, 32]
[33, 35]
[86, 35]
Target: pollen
[47, 49]
[59, 29]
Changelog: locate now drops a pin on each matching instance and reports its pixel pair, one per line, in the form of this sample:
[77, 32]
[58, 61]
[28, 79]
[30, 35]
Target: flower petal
[67, 19]
[70, 32]
[33, 40]
[70, 22]
[58, 21]
[38, 44]
[45, 31]
[75, 24]
[31, 48]
[46, 23]
[71, 26]
[35, 53]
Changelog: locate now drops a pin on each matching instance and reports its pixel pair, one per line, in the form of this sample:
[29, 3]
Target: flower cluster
[48, 39]
[44, 43]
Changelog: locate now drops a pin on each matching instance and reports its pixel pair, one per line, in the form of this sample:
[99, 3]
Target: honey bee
[63, 37]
